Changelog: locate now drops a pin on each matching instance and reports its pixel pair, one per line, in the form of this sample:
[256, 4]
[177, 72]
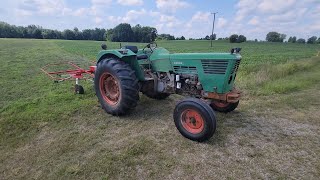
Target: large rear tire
[116, 86]
[224, 106]
[195, 119]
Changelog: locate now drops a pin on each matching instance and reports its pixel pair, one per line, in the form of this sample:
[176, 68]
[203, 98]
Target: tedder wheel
[78, 89]
[195, 119]
[116, 86]
[224, 106]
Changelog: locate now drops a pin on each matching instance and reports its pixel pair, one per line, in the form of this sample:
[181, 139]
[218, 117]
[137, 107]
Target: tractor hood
[216, 71]
[201, 56]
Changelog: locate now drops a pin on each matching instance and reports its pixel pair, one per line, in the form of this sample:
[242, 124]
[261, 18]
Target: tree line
[37, 32]
[126, 33]
[278, 37]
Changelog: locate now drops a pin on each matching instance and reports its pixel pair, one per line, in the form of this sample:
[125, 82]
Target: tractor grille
[236, 66]
[214, 66]
[185, 69]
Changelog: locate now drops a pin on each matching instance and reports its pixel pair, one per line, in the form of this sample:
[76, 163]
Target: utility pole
[214, 19]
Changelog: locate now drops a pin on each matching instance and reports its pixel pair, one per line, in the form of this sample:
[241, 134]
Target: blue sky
[252, 18]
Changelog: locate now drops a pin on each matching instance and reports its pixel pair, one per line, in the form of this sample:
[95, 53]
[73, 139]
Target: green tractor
[207, 79]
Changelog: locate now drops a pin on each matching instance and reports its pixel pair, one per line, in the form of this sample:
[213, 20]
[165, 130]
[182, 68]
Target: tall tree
[233, 38]
[312, 40]
[214, 37]
[294, 39]
[275, 37]
[241, 39]
[301, 41]
[123, 33]
[68, 34]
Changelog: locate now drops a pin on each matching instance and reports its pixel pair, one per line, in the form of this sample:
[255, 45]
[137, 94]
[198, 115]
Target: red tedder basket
[73, 72]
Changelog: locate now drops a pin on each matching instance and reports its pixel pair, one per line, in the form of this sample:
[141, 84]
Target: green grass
[47, 132]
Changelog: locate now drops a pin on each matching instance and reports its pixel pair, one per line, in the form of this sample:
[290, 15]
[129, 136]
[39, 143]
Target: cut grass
[47, 132]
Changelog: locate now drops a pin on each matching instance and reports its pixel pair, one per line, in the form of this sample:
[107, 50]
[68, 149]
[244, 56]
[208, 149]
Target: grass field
[47, 132]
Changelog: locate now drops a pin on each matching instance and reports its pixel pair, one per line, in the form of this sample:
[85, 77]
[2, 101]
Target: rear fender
[124, 55]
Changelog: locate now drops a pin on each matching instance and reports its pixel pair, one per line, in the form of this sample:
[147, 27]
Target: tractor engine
[188, 85]
[170, 83]
[183, 84]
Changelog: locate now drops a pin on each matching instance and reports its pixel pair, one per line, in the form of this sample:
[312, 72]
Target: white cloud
[254, 21]
[80, 12]
[169, 21]
[101, 2]
[171, 5]
[201, 16]
[134, 15]
[41, 7]
[222, 22]
[98, 20]
[130, 2]
[287, 16]
[275, 6]
[291, 17]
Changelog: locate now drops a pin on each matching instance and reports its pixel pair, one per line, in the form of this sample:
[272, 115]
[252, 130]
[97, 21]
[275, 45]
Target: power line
[214, 19]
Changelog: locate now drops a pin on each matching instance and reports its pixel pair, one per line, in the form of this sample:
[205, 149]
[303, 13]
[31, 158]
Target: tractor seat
[135, 50]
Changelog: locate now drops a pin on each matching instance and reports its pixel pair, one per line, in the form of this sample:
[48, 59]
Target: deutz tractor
[207, 79]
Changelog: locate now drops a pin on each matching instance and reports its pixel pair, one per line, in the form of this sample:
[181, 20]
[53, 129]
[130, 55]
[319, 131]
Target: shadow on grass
[161, 111]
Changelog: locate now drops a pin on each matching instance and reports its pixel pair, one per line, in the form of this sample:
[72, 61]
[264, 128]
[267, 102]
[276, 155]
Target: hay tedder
[207, 79]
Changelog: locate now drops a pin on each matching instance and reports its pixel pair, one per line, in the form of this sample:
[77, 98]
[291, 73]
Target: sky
[192, 19]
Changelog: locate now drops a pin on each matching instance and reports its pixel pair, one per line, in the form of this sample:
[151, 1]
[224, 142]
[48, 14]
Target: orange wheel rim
[192, 121]
[109, 88]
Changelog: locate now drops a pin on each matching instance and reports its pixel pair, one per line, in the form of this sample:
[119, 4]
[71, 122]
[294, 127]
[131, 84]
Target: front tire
[195, 119]
[116, 86]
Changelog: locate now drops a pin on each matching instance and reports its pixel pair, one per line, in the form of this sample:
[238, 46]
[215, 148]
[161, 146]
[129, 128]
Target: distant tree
[282, 37]
[219, 39]
[294, 39]
[312, 40]
[241, 39]
[77, 34]
[301, 41]
[255, 40]
[214, 37]
[182, 38]
[318, 41]
[290, 39]
[207, 37]
[275, 37]
[165, 37]
[68, 34]
[123, 33]
[37, 33]
[234, 38]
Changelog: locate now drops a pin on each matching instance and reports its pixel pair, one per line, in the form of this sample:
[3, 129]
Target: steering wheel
[150, 47]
